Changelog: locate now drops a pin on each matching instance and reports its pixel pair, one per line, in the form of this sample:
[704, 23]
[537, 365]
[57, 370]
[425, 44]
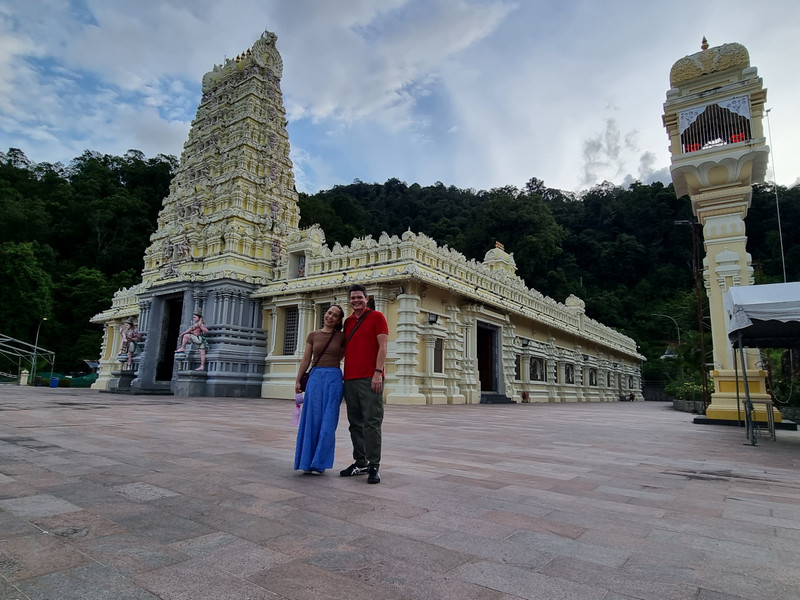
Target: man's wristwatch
[379, 371]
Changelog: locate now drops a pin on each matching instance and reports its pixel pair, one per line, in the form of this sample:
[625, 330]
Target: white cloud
[475, 93]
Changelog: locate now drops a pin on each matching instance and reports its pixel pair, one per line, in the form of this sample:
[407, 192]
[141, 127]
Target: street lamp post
[670, 353]
[674, 321]
[35, 348]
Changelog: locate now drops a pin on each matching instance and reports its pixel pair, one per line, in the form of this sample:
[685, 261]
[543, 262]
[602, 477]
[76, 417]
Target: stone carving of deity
[276, 252]
[184, 249]
[537, 370]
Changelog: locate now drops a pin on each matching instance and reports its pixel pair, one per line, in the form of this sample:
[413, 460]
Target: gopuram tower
[222, 230]
[713, 115]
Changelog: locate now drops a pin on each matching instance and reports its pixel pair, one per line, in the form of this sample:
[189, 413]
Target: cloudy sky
[472, 93]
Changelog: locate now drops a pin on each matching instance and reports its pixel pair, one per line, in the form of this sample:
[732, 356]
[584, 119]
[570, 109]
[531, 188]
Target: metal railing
[715, 126]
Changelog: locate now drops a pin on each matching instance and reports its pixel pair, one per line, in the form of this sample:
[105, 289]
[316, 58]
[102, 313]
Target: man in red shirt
[367, 335]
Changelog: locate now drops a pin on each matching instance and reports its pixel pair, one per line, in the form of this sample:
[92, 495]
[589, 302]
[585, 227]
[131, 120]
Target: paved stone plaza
[147, 497]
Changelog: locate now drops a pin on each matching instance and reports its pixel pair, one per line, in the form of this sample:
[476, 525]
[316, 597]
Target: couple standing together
[362, 339]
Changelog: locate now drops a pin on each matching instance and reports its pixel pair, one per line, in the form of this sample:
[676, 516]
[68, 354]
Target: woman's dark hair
[340, 324]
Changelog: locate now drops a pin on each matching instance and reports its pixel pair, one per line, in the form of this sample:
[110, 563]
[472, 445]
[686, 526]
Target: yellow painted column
[713, 116]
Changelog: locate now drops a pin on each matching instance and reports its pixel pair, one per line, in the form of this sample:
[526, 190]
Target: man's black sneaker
[373, 476]
[353, 469]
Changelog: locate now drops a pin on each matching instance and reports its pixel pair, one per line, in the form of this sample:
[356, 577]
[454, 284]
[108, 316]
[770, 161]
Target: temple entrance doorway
[488, 357]
[168, 342]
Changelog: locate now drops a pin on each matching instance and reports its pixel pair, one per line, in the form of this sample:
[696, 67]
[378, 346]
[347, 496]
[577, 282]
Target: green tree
[24, 212]
[80, 296]
[26, 295]
[71, 237]
[523, 223]
[111, 222]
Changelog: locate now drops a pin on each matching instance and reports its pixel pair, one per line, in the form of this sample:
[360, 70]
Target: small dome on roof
[498, 258]
[709, 60]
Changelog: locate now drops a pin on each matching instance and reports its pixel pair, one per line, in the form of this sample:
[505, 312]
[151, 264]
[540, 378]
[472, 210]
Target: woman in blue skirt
[316, 435]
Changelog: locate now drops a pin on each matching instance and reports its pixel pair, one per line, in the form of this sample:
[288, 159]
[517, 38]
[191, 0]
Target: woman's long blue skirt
[316, 434]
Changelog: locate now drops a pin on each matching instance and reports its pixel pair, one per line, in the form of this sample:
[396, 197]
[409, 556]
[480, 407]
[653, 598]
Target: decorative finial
[704, 45]
[499, 246]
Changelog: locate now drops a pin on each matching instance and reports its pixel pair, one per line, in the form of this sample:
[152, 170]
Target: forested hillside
[71, 236]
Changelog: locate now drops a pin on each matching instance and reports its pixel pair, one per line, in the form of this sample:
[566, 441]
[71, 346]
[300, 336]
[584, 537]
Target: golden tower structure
[713, 116]
[221, 233]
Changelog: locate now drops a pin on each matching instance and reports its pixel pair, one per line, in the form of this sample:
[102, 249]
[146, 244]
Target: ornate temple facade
[228, 246]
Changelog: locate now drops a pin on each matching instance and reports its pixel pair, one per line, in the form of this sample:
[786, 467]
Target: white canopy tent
[762, 316]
